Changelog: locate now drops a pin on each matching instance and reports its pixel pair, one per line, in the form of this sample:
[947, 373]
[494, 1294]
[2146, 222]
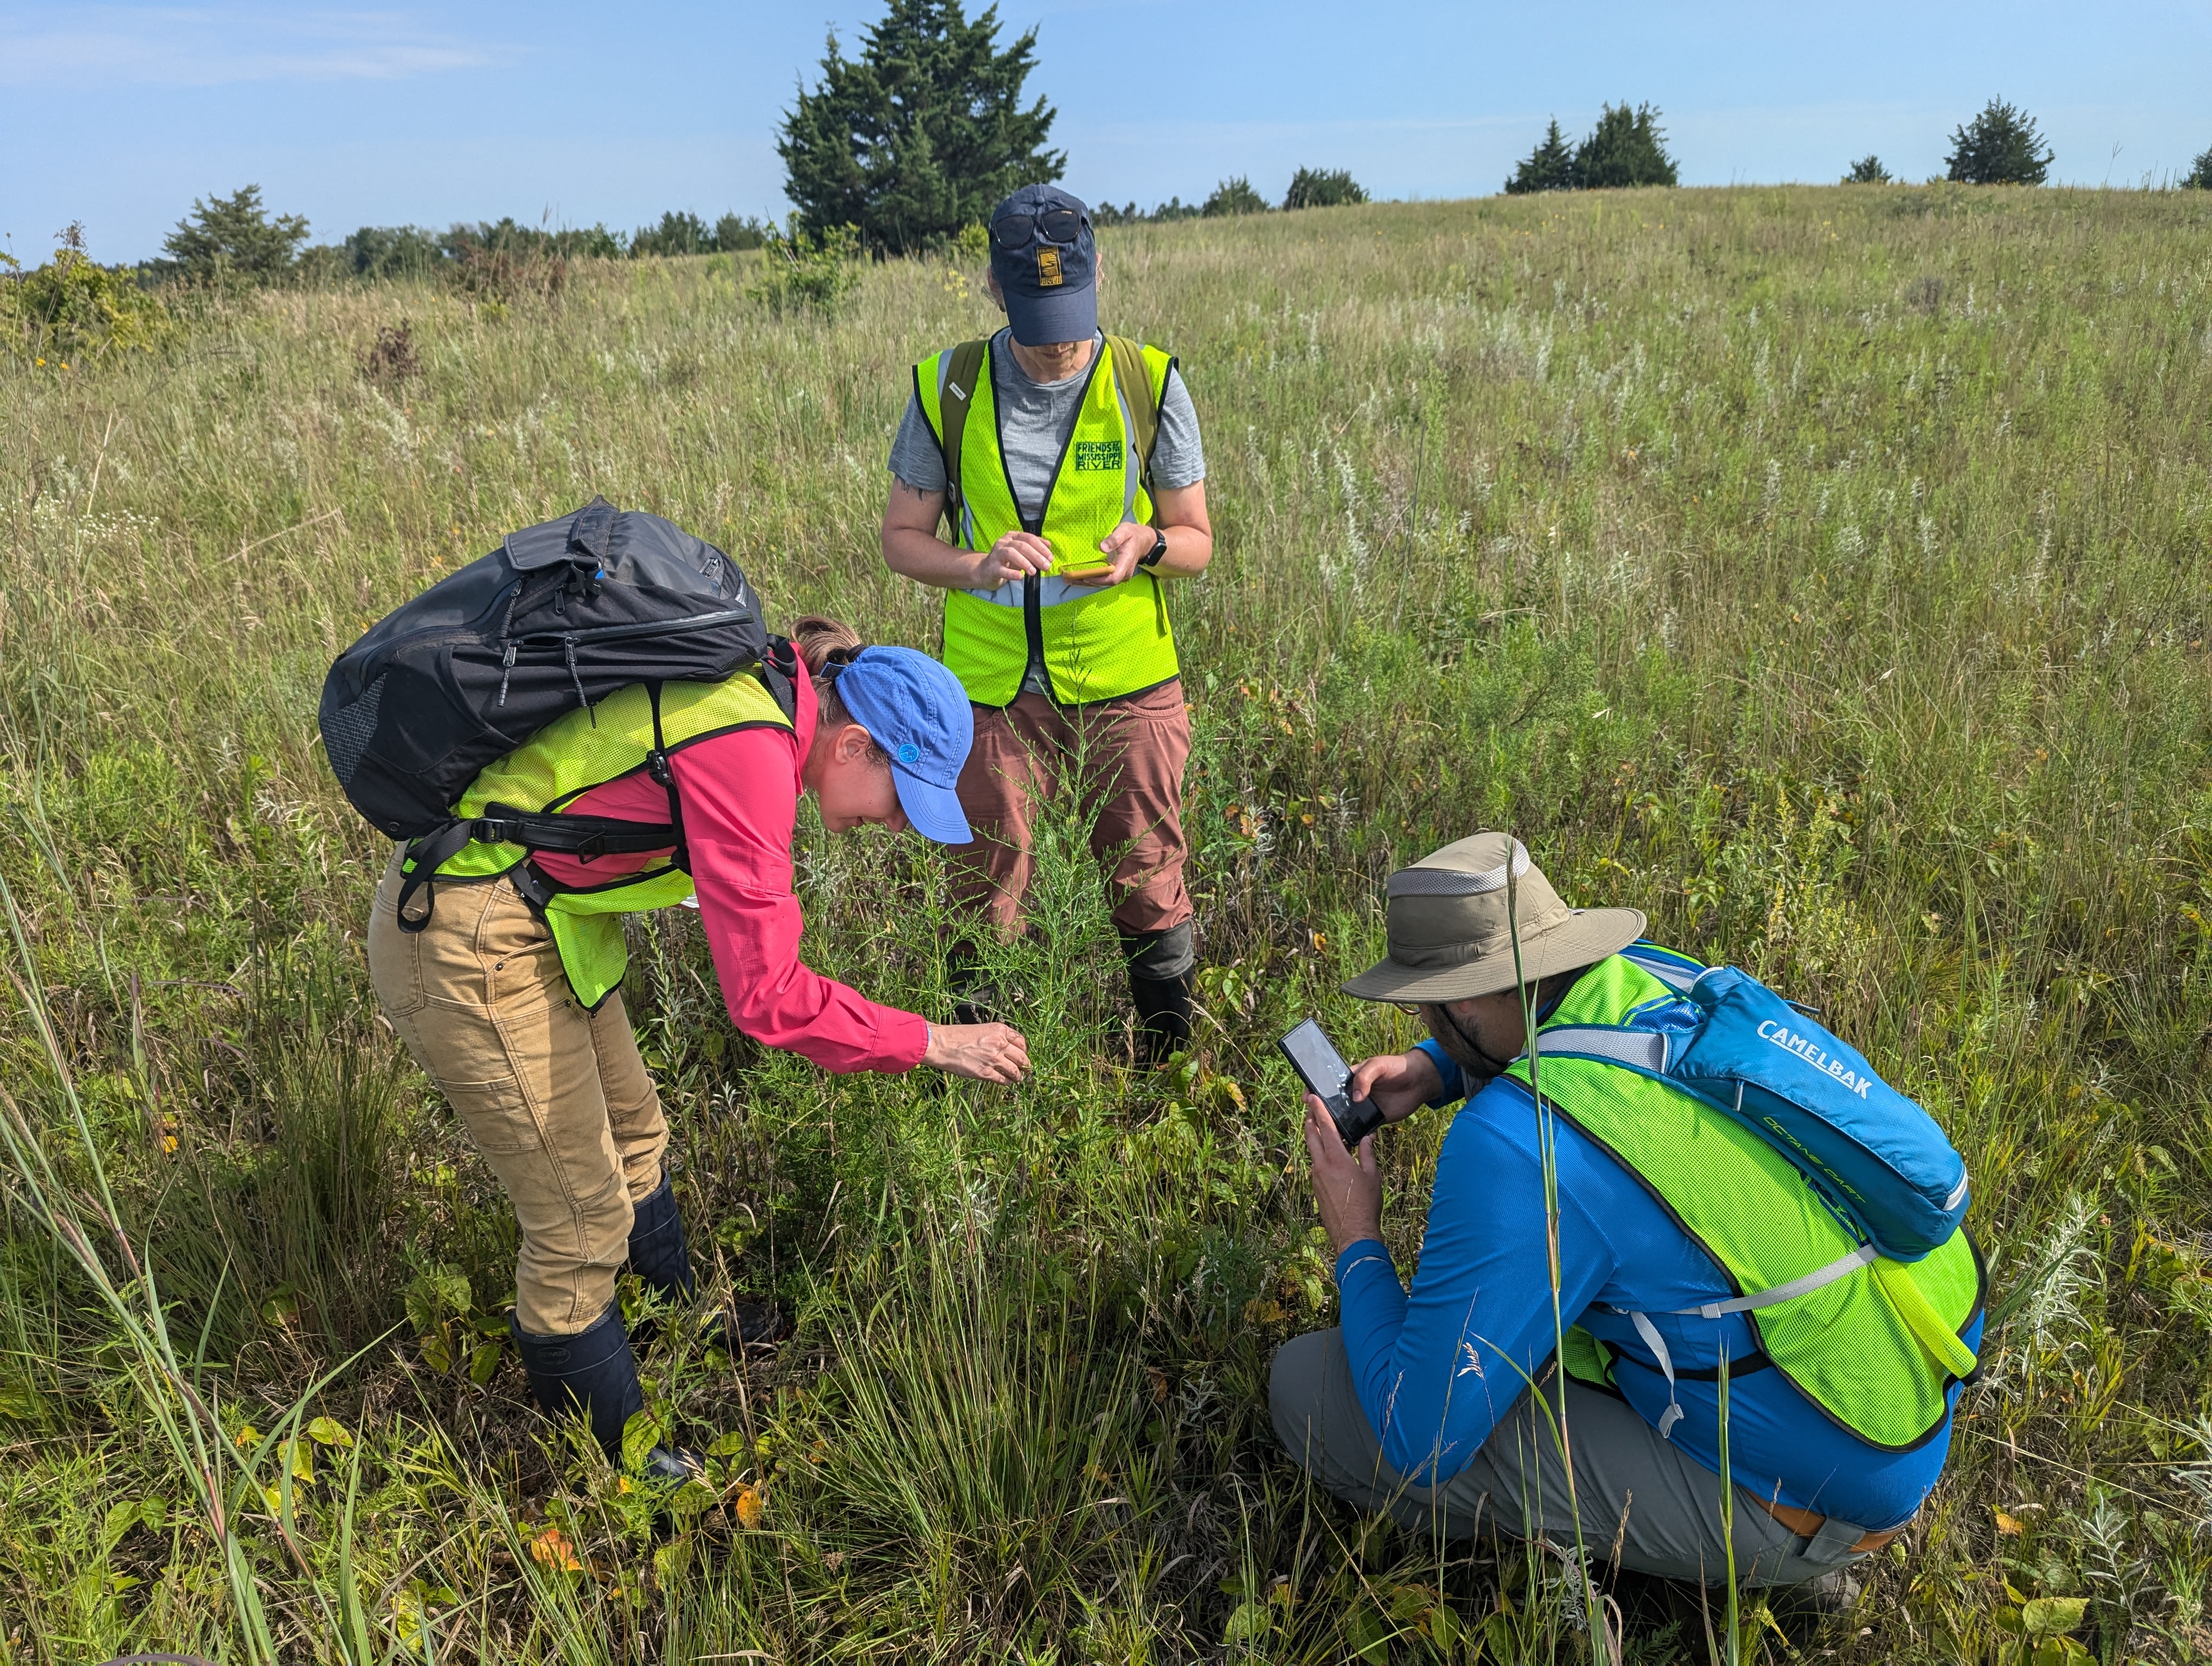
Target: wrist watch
[1151, 556]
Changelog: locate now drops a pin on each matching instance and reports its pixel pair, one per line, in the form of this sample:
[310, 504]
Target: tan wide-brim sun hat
[1450, 937]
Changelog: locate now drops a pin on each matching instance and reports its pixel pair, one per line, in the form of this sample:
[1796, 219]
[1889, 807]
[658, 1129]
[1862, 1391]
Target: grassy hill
[1824, 572]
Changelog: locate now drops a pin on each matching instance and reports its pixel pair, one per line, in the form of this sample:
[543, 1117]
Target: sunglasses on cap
[1012, 232]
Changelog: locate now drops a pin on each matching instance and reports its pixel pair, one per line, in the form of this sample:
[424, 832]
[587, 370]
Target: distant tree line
[1311, 188]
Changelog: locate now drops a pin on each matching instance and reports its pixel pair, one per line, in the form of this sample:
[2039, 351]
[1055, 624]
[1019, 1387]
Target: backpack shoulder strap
[1135, 381]
[959, 391]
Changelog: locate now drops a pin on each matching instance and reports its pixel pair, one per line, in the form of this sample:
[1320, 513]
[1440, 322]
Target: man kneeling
[1421, 1405]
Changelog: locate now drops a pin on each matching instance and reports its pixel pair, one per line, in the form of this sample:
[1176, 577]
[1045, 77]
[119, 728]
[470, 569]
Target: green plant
[735, 233]
[2199, 176]
[1999, 147]
[1868, 171]
[1626, 147]
[72, 311]
[1313, 187]
[1549, 167]
[808, 272]
[921, 134]
[679, 233]
[232, 242]
[1233, 196]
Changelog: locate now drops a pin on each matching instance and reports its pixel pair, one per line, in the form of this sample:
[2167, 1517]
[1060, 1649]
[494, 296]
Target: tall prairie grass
[1823, 572]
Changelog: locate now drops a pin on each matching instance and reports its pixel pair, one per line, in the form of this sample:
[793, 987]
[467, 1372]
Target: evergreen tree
[679, 233]
[1626, 147]
[2199, 176]
[2000, 147]
[1550, 167]
[733, 232]
[921, 135]
[1313, 187]
[1868, 171]
[233, 240]
[1231, 197]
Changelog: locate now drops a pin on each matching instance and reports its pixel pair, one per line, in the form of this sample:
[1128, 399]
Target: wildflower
[750, 1508]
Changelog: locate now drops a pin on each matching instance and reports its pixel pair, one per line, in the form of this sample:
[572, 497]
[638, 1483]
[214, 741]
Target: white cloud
[208, 46]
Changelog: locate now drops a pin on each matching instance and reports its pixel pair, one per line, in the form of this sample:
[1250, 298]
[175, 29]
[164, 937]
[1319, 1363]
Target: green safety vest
[587, 748]
[1096, 643]
[1874, 1343]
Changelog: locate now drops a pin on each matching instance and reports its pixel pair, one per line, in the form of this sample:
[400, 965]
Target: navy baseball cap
[1047, 265]
[918, 713]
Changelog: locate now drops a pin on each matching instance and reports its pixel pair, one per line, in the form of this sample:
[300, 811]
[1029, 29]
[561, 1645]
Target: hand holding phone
[1328, 1079]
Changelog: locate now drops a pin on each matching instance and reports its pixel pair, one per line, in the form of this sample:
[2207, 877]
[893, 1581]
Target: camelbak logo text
[1813, 1053]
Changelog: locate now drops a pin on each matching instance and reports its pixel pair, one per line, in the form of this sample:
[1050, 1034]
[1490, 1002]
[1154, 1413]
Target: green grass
[1822, 571]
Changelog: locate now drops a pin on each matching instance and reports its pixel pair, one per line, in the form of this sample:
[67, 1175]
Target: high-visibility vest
[1876, 1344]
[1096, 643]
[587, 748]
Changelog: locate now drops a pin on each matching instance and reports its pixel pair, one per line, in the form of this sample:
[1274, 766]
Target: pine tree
[2199, 176]
[1234, 197]
[1313, 187]
[231, 240]
[1550, 167]
[921, 135]
[1626, 147]
[680, 232]
[2000, 147]
[1868, 171]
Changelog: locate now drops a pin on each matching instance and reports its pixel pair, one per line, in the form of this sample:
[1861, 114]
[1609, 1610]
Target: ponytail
[826, 646]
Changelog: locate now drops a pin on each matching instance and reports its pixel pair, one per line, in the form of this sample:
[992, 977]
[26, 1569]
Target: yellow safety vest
[1096, 644]
[587, 748]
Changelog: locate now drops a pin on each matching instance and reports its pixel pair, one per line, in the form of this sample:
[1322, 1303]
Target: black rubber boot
[658, 1253]
[975, 997]
[595, 1370]
[1163, 967]
[661, 1258]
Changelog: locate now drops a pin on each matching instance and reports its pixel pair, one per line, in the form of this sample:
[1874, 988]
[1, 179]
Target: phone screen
[1316, 1060]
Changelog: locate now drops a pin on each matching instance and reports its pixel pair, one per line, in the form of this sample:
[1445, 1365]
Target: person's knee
[1298, 1389]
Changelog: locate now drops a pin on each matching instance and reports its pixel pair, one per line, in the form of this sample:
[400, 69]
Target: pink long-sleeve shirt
[739, 792]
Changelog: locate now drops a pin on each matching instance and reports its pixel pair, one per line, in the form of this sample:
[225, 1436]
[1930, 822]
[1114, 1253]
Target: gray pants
[1661, 1506]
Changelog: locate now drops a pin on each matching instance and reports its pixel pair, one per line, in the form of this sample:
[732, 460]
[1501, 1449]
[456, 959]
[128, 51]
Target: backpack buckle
[591, 848]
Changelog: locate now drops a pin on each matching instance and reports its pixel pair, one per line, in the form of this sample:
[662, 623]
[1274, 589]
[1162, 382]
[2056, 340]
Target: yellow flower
[750, 1508]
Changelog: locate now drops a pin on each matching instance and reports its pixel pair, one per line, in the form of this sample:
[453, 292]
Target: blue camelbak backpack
[1875, 1155]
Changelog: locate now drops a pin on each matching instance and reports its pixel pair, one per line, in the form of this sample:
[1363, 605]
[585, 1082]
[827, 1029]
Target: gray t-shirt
[1036, 419]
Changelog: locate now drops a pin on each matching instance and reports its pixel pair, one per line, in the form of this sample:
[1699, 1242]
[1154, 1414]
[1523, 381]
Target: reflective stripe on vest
[1096, 643]
[1876, 1344]
[565, 760]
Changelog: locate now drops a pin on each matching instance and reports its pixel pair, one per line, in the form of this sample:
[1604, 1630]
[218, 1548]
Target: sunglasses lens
[1060, 225]
[1010, 234]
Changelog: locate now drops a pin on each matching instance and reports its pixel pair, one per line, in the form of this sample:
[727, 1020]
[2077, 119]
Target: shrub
[1626, 147]
[389, 359]
[73, 309]
[1868, 171]
[1234, 197]
[810, 272]
[375, 252]
[921, 135]
[2199, 176]
[1313, 187]
[2000, 147]
[1549, 167]
[232, 240]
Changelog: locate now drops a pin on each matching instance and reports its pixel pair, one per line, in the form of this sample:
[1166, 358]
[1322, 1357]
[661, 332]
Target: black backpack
[560, 615]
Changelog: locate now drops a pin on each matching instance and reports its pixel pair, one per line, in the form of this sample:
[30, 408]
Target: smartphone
[1329, 1078]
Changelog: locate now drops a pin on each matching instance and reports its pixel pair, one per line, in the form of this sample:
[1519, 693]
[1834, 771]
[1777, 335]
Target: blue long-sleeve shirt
[1436, 1369]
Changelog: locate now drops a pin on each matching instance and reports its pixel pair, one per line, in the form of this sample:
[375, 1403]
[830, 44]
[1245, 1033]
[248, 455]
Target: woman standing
[504, 983]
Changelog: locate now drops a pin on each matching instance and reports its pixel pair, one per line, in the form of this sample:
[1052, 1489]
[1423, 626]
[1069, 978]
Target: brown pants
[1126, 756]
[556, 1098]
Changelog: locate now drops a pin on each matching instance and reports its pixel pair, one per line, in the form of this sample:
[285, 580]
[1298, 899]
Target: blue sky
[120, 116]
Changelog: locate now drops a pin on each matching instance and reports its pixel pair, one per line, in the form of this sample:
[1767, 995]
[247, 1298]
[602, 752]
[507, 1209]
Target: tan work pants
[1126, 757]
[556, 1098]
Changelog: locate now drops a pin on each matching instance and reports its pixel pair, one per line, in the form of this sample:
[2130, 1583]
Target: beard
[1461, 1047]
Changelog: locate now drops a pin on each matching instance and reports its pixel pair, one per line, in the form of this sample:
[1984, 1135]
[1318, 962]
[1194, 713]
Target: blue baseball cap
[1046, 264]
[918, 713]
